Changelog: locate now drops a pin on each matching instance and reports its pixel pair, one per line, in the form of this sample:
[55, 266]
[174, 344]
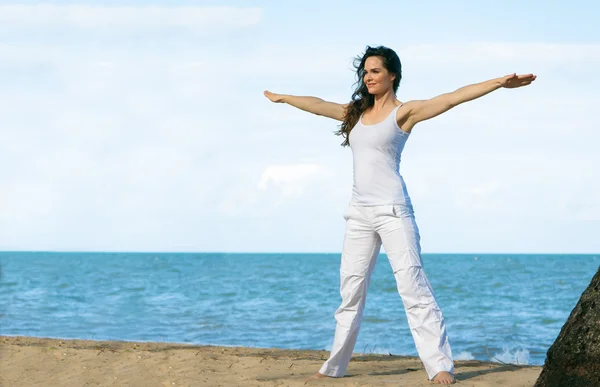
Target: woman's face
[377, 78]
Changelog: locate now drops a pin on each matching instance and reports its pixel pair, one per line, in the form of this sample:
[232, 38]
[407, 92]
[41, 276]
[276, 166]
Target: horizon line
[279, 252]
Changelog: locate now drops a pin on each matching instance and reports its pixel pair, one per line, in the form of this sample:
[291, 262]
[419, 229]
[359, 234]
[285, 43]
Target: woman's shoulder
[402, 115]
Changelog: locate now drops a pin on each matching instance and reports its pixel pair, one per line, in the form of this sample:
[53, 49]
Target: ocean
[502, 307]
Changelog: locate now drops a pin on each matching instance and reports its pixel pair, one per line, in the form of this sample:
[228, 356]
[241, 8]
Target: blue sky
[141, 126]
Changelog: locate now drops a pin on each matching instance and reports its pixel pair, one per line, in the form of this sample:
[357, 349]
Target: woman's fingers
[528, 77]
[269, 95]
[514, 80]
[272, 96]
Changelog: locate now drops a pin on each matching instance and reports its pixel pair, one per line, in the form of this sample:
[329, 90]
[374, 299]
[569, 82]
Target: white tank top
[376, 151]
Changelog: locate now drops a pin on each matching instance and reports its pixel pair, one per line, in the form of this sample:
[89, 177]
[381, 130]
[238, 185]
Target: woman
[376, 126]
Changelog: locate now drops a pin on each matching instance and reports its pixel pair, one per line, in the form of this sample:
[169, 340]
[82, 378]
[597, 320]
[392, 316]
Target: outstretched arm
[425, 109]
[312, 105]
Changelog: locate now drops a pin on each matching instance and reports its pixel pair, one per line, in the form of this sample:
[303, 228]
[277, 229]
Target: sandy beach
[27, 361]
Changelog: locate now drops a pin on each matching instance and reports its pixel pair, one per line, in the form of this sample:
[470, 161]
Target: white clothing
[381, 212]
[367, 227]
[376, 151]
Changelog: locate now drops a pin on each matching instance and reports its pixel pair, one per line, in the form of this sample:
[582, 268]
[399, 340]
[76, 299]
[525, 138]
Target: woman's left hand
[512, 81]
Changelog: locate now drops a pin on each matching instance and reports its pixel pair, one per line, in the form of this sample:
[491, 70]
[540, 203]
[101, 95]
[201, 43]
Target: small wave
[33, 294]
[516, 356]
[464, 355]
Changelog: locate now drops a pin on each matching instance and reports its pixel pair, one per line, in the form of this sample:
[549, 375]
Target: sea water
[503, 307]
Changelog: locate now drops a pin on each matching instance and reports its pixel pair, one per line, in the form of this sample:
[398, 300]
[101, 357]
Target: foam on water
[464, 355]
[514, 356]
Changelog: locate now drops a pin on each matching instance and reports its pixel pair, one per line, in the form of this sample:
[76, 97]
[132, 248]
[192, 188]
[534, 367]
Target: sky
[141, 126]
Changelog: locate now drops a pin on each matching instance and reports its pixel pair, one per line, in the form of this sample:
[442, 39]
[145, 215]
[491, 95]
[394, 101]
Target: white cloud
[136, 149]
[289, 178]
[276, 186]
[132, 18]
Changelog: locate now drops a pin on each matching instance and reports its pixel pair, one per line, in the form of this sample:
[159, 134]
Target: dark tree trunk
[574, 358]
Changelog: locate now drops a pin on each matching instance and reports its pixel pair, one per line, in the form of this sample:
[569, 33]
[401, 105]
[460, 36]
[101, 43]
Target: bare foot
[444, 377]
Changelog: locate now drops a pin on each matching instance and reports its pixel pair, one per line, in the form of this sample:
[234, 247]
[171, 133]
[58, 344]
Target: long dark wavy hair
[361, 99]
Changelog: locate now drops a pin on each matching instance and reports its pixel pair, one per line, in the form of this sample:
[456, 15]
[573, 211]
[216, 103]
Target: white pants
[394, 225]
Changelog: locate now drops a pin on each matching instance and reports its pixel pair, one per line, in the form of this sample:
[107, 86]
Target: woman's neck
[383, 100]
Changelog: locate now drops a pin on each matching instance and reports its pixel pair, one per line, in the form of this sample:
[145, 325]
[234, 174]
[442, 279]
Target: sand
[28, 361]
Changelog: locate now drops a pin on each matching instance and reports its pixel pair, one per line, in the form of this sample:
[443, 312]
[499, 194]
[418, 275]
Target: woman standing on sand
[376, 126]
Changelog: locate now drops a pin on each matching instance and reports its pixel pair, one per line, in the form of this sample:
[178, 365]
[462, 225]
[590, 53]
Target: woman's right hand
[277, 98]
[312, 105]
